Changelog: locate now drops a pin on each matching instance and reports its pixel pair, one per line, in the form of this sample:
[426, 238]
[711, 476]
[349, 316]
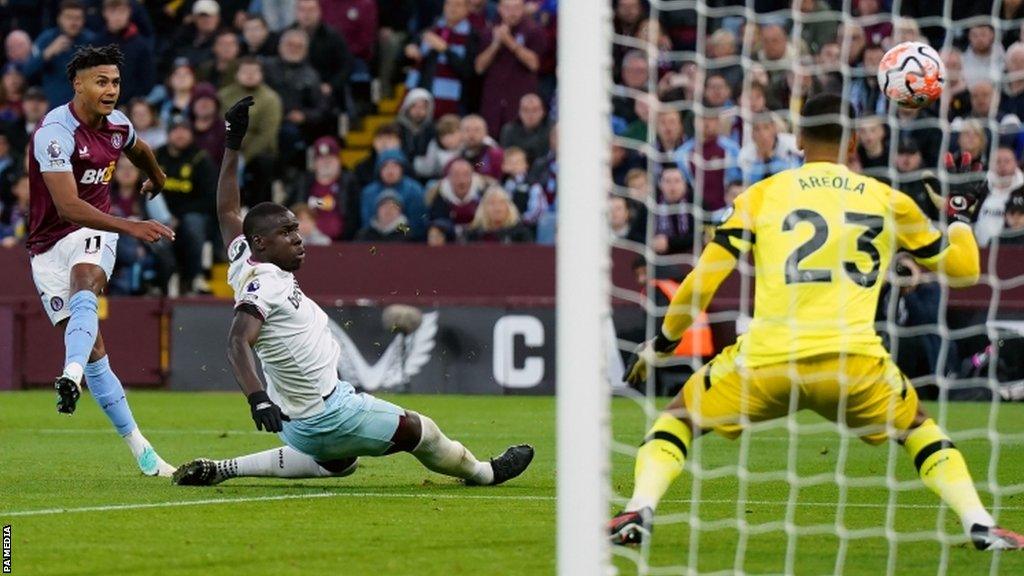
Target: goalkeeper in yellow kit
[822, 238]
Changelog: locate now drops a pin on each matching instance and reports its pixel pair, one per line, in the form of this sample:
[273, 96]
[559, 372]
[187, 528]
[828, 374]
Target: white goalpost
[582, 293]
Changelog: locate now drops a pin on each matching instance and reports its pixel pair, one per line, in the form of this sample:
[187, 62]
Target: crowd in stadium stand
[472, 154]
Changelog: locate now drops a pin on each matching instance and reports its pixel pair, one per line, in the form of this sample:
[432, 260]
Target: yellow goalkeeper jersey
[822, 238]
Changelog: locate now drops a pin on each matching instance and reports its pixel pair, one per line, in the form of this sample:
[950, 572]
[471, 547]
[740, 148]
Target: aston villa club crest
[116, 140]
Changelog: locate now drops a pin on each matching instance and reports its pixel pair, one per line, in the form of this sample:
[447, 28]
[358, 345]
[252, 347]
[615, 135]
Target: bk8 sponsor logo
[98, 175]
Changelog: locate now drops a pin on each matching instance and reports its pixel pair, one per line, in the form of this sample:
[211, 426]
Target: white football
[912, 74]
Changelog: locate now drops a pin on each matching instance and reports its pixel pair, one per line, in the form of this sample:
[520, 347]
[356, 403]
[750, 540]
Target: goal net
[667, 110]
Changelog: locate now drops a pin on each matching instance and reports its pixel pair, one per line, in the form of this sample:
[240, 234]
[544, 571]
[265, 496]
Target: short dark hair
[820, 118]
[250, 59]
[70, 5]
[258, 220]
[90, 56]
[389, 129]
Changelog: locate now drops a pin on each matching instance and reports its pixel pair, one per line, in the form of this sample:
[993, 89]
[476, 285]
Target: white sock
[283, 462]
[439, 453]
[136, 442]
[978, 516]
[74, 371]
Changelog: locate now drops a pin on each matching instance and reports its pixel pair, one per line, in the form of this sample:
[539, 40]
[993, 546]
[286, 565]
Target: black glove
[236, 122]
[967, 189]
[646, 354]
[265, 413]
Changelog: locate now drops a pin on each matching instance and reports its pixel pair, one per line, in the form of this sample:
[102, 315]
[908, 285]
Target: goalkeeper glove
[236, 122]
[647, 354]
[266, 414]
[967, 190]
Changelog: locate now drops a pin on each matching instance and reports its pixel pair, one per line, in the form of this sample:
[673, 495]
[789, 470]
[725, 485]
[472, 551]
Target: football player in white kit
[325, 424]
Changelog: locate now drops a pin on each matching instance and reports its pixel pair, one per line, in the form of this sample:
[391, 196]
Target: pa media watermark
[7, 549]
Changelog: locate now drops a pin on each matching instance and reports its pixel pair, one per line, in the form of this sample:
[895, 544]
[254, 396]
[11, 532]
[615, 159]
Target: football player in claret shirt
[822, 238]
[72, 237]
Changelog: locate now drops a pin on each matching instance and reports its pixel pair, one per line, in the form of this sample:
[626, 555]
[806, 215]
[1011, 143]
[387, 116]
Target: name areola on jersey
[839, 182]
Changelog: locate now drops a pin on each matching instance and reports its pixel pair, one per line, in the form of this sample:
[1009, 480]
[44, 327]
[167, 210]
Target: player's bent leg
[283, 462]
[80, 330]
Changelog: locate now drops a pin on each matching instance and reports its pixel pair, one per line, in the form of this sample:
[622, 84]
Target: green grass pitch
[77, 505]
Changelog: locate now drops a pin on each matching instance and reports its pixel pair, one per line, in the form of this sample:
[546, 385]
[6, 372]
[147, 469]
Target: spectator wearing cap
[356, 22]
[455, 197]
[529, 131]
[416, 122]
[190, 192]
[1013, 228]
[194, 41]
[330, 192]
[328, 52]
[391, 175]
[259, 40]
[482, 152]
[983, 59]
[442, 58]
[259, 149]
[386, 137]
[54, 48]
[708, 161]
[138, 72]
[909, 164]
[509, 63]
[389, 223]
[173, 98]
[308, 229]
[220, 70]
[446, 145]
[207, 124]
[1003, 178]
[768, 151]
[306, 111]
[497, 220]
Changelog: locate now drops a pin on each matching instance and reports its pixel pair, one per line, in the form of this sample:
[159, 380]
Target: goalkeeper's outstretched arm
[693, 296]
[959, 260]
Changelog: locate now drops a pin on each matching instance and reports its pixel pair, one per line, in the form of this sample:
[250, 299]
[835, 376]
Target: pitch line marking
[436, 496]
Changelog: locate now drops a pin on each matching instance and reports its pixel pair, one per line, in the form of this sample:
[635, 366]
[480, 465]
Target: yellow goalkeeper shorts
[870, 395]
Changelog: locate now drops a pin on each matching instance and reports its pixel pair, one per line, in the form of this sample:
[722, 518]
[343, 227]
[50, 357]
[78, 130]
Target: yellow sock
[659, 461]
[943, 470]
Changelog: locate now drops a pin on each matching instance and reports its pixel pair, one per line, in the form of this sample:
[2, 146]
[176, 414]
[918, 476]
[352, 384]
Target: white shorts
[51, 270]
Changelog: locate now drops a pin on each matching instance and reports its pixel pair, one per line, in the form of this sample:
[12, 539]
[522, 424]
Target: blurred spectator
[909, 163]
[456, 197]
[768, 152]
[873, 147]
[194, 40]
[389, 223]
[673, 222]
[276, 14]
[416, 122]
[1004, 177]
[828, 75]
[53, 50]
[818, 28]
[138, 72]
[717, 92]
[332, 194]
[207, 125]
[146, 122]
[650, 31]
[139, 264]
[732, 191]
[852, 37]
[906, 30]
[634, 77]
[191, 193]
[220, 70]
[508, 64]
[17, 47]
[395, 17]
[479, 148]
[497, 220]
[983, 59]
[356, 22]
[14, 224]
[984, 106]
[308, 229]
[33, 106]
[439, 233]
[1013, 229]
[174, 98]
[10, 172]
[527, 196]
[328, 52]
[259, 40]
[722, 49]
[386, 137]
[876, 28]
[866, 95]
[628, 15]
[12, 91]
[303, 104]
[1012, 101]
[620, 222]
[920, 125]
[259, 149]
[446, 144]
[442, 58]
[481, 14]
[391, 176]
[973, 138]
[530, 130]
[777, 56]
[544, 170]
[709, 161]
[669, 128]
[955, 100]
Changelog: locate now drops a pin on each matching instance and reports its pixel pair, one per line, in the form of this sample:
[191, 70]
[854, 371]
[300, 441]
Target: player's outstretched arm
[229, 203]
[142, 156]
[245, 329]
[70, 207]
